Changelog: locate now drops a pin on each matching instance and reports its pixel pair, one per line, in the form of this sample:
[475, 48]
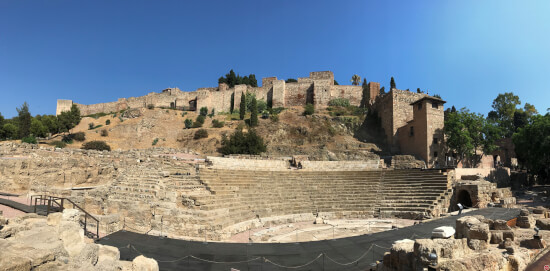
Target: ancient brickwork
[318, 89]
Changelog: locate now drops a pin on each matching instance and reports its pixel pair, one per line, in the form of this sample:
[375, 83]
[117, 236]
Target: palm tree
[355, 80]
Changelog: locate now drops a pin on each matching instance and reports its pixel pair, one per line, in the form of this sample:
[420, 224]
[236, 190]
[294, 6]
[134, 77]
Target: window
[419, 106]
[435, 154]
[411, 132]
[435, 140]
[435, 105]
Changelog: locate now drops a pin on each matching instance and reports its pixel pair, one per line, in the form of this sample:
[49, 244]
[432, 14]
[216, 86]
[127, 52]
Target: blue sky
[99, 51]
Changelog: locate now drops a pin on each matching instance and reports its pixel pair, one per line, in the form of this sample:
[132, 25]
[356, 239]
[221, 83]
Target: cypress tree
[24, 120]
[392, 83]
[254, 113]
[242, 108]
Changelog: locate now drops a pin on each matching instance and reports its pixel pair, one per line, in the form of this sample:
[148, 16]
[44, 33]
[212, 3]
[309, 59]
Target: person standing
[460, 207]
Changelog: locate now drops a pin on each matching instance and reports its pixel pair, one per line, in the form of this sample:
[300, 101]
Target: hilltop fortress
[413, 122]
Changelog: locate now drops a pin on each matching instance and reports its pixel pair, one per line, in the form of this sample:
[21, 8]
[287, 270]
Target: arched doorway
[464, 198]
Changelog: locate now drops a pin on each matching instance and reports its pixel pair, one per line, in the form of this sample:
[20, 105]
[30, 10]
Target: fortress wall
[353, 93]
[98, 108]
[63, 105]
[297, 93]
[278, 94]
[321, 91]
[220, 101]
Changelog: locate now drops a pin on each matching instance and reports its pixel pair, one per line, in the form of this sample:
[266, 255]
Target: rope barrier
[358, 259]
[294, 267]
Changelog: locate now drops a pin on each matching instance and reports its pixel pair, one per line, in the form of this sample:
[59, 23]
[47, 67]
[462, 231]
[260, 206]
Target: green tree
[10, 131]
[336, 83]
[243, 143]
[37, 128]
[291, 80]
[50, 121]
[392, 83]
[504, 107]
[309, 109]
[254, 113]
[67, 120]
[355, 80]
[470, 135]
[418, 90]
[530, 109]
[2, 134]
[242, 108]
[24, 120]
[532, 147]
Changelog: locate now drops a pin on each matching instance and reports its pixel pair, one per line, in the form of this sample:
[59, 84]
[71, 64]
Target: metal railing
[52, 203]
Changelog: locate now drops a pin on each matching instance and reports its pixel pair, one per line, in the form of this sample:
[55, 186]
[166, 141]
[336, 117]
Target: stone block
[142, 263]
[479, 231]
[497, 237]
[71, 215]
[107, 253]
[500, 225]
[539, 210]
[443, 232]
[525, 222]
[524, 212]
[508, 235]
[477, 245]
[54, 219]
[543, 224]
[73, 238]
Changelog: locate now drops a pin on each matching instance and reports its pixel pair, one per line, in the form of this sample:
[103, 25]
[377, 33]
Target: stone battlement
[318, 89]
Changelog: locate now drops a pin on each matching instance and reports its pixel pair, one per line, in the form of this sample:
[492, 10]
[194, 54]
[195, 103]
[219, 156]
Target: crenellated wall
[318, 89]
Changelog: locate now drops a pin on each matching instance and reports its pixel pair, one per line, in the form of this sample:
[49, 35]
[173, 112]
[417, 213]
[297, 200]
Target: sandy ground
[308, 231]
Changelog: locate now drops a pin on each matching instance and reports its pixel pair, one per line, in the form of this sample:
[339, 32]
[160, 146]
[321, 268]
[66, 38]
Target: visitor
[460, 207]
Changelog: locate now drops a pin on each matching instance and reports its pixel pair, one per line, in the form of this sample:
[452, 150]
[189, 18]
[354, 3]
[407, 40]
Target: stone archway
[464, 198]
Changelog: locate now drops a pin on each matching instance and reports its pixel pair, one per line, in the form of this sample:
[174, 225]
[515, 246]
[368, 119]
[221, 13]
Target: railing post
[35, 205]
[97, 229]
[48, 210]
[85, 223]
[62, 202]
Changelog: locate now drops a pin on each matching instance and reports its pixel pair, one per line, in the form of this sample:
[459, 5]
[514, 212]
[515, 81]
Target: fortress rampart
[317, 89]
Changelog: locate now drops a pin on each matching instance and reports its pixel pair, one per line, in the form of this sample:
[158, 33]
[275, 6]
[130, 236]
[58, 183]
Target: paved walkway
[352, 253]
[41, 209]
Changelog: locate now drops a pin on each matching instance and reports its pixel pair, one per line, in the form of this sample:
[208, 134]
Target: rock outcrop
[32, 242]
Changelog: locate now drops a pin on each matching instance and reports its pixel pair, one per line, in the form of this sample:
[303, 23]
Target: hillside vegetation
[325, 135]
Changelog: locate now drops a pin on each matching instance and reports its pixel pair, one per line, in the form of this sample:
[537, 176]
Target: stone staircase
[240, 195]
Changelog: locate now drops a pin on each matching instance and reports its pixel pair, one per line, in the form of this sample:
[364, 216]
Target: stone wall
[247, 164]
[318, 89]
[63, 105]
[340, 165]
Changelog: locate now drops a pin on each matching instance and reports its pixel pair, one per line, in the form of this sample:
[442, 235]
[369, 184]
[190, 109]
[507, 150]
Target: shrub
[309, 109]
[243, 143]
[276, 110]
[104, 132]
[201, 133]
[196, 124]
[155, 141]
[80, 136]
[275, 118]
[91, 126]
[212, 113]
[67, 139]
[265, 115]
[188, 123]
[204, 111]
[200, 119]
[150, 106]
[262, 105]
[217, 124]
[107, 122]
[58, 144]
[254, 113]
[183, 114]
[29, 139]
[339, 102]
[96, 145]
